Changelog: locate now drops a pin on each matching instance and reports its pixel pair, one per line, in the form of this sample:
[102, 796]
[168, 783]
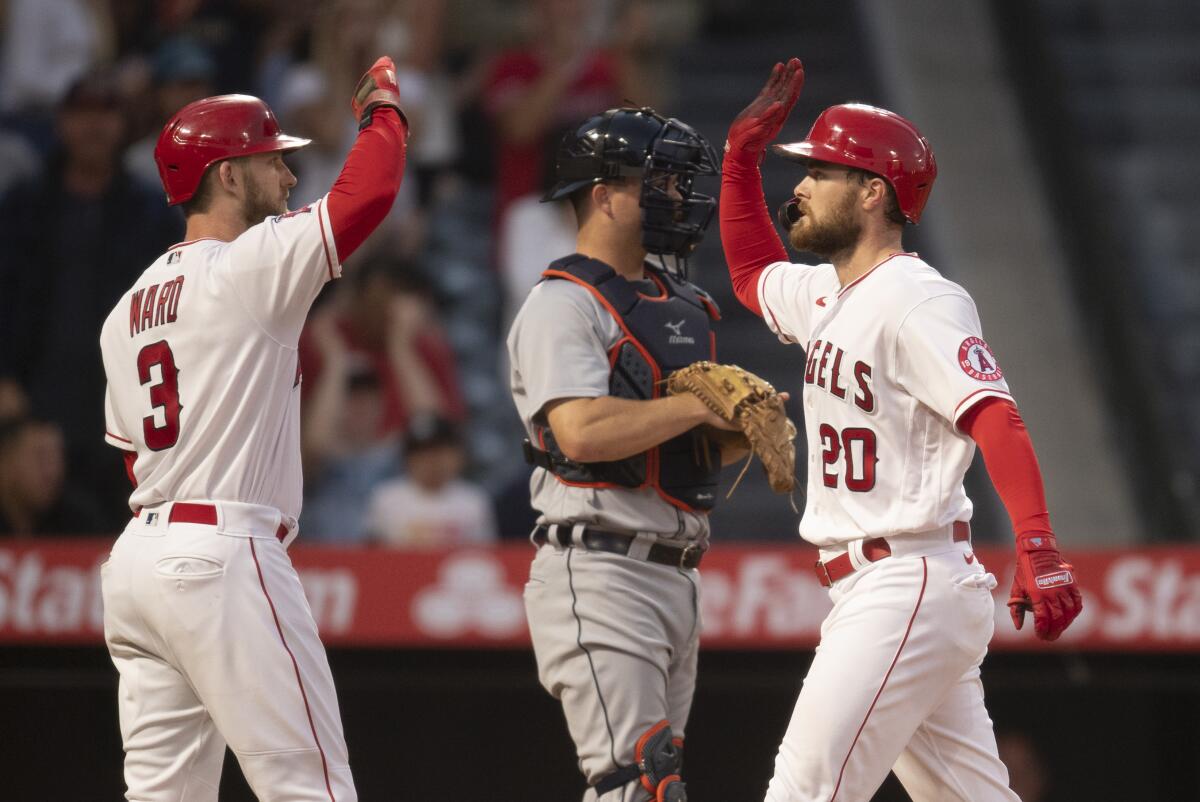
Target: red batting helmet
[209, 130]
[875, 140]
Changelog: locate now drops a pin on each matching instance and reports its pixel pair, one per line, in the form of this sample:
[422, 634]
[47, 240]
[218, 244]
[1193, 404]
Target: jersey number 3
[164, 395]
[859, 448]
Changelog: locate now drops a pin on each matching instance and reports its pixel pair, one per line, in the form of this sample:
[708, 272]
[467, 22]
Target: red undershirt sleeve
[366, 188]
[747, 233]
[996, 426]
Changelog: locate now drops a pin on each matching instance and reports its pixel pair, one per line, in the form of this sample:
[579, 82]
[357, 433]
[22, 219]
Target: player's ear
[229, 175]
[874, 193]
[602, 198]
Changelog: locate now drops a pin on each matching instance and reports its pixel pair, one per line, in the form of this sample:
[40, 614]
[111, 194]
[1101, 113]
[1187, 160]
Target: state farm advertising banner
[753, 597]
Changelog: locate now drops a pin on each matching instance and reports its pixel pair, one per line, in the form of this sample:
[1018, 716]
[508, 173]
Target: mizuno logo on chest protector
[677, 336]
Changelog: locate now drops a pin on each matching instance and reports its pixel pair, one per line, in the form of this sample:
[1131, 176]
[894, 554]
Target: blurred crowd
[408, 433]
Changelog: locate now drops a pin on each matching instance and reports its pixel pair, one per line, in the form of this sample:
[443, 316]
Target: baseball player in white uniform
[899, 386]
[204, 615]
[623, 481]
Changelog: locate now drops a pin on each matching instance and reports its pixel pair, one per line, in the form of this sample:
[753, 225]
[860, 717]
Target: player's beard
[259, 203]
[826, 238]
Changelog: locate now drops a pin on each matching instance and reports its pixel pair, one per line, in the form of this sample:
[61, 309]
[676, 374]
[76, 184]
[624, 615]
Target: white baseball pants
[895, 685]
[215, 643]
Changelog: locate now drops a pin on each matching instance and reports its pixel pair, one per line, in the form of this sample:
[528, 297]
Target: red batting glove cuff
[377, 88]
[743, 162]
[1036, 541]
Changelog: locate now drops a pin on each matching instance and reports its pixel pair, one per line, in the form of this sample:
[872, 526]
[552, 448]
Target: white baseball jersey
[203, 372]
[894, 359]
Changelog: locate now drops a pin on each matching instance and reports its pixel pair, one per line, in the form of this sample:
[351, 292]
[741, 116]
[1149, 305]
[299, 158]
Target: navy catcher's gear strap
[658, 760]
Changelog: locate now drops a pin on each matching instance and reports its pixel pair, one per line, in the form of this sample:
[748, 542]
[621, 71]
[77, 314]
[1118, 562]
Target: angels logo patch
[978, 361]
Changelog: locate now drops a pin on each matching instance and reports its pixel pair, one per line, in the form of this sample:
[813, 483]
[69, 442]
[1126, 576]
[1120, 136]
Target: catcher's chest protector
[660, 334]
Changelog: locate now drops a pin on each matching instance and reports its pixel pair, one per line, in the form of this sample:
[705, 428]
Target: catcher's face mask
[674, 215]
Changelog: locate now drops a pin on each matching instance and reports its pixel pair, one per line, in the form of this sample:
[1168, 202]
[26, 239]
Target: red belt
[873, 550]
[183, 512]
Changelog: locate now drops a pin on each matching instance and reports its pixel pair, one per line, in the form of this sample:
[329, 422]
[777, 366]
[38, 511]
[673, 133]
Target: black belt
[619, 543]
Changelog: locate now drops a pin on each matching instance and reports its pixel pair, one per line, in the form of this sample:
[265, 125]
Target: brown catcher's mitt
[751, 404]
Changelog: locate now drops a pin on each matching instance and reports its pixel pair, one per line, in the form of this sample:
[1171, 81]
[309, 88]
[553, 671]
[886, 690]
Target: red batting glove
[376, 88]
[1044, 584]
[761, 121]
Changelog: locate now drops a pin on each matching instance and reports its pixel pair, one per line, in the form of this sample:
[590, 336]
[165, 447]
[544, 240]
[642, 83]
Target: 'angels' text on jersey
[852, 385]
[893, 360]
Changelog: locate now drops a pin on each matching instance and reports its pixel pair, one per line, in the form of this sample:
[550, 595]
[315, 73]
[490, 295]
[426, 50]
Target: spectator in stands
[182, 71]
[384, 316]
[34, 496]
[532, 235]
[71, 241]
[431, 505]
[374, 358]
[231, 31]
[47, 45]
[344, 454]
[303, 106]
[306, 91]
[561, 75]
[430, 95]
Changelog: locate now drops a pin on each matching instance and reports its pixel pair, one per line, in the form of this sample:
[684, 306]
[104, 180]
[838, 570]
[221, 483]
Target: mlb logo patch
[151, 517]
[174, 257]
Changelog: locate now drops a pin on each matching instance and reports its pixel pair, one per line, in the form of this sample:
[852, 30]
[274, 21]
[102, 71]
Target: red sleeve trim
[118, 437]
[966, 404]
[762, 280]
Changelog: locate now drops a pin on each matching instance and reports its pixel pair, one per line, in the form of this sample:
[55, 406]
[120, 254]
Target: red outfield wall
[754, 596]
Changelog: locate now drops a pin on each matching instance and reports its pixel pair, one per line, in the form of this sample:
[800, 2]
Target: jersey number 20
[859, 447]
[164, 395]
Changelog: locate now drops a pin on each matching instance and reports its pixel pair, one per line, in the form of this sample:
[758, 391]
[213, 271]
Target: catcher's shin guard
[658, 759]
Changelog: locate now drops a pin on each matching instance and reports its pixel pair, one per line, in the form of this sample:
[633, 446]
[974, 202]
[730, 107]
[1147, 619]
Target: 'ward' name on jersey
[154, 305]
[824, 369]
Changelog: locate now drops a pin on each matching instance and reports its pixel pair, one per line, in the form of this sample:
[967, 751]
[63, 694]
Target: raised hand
[761, 121]
[376, 88]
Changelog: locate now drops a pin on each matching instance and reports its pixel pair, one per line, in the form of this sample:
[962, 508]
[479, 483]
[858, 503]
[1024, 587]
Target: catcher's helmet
[209, 130]
[641, 142]
[876, 140]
